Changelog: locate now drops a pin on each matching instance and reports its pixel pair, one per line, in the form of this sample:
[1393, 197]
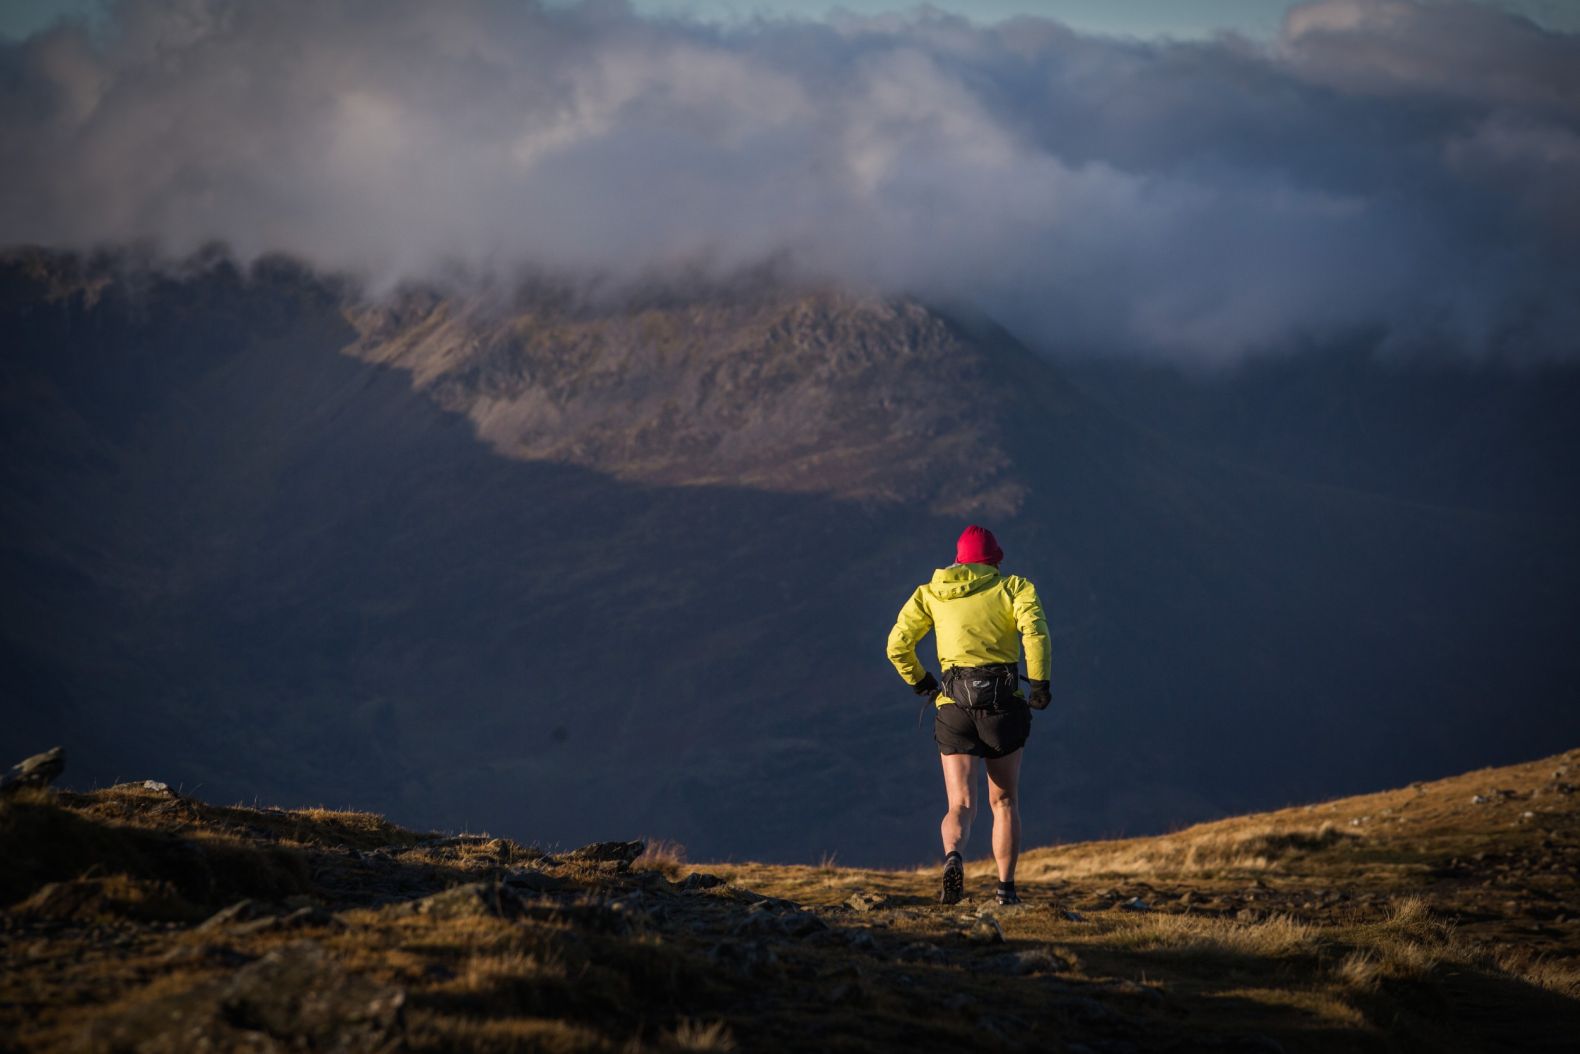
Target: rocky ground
[1441, 916]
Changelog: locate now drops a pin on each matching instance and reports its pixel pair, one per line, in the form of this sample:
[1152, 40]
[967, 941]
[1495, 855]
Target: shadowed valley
[572, 569]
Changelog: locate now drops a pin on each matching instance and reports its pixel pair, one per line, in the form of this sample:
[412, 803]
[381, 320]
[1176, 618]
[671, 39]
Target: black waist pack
[983, 687]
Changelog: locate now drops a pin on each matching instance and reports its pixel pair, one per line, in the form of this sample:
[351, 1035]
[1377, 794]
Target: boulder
[698, 880]
[619, 854]
[299, 995]
[862, 901]
[985, 930]
[470, 901]
[1029, 961]
[40, 770]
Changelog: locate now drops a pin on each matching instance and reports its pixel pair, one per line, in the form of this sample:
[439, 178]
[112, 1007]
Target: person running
[981, 618]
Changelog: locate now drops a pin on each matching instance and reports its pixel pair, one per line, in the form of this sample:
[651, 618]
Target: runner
[981, 618]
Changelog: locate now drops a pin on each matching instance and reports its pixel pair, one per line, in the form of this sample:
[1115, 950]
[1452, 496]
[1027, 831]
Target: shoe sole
[954, 884]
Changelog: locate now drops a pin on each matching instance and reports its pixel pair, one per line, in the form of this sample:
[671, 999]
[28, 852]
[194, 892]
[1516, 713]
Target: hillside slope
[572, 570]
[1440, 916]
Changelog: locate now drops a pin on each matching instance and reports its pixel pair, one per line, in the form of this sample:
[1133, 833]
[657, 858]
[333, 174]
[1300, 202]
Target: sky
[1149, 18]
[1397, 170]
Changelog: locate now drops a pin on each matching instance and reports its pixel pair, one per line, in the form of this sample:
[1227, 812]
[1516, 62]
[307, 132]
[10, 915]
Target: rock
[473, 900]
[241, 911]
[531, 880]
[921, 951]
[298, 994]
[862, 941]
[1072, 916]
[620, 854]
[40, 770]
[1030, 961]
[1136, 904]
[205, 954]
[1480, 799]
[861, 901]
[699, 880]
[1136, 990]
[757, 924]
[801, 924]
[155, 785]
[294, 998]
[985, 930]
[308, 916]
[749, 958]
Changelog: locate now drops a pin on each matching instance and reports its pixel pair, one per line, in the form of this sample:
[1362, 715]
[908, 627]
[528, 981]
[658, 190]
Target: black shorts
[982, 733]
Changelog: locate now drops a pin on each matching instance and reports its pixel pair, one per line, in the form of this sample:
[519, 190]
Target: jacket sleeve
[1033, 626]
[910, 627]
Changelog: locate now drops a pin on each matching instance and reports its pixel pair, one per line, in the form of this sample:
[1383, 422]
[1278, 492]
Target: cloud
[1386, 166]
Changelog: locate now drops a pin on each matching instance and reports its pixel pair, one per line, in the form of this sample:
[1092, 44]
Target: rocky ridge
[819, 391]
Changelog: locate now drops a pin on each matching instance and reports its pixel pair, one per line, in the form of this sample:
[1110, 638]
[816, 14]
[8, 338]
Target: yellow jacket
[980, 616]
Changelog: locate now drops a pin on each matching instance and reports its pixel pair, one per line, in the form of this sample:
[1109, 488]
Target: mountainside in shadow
[572, 568]
[1438, 916]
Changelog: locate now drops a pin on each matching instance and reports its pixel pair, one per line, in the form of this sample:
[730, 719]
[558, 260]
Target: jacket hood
[961, 580]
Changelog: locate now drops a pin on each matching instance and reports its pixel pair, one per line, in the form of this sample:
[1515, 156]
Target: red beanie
[977, 546]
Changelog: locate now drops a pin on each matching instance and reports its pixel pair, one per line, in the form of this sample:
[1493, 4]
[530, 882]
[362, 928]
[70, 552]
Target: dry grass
[1359, 972]
[1560, 976]
[703, 1036]
[1287, 925]
[1279, 935]
[1227, 847]
[666, 857]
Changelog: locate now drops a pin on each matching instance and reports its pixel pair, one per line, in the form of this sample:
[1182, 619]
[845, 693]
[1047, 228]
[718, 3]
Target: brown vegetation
[1442, 916]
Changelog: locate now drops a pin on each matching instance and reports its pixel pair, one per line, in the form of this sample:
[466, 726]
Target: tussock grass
[1276, 936]
[1555, 975]
[1207, 850]
[703, 1036]
[1359, 971]
[664, 856]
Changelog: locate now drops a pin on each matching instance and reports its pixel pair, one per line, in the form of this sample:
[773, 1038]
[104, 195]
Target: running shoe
[954, 880]
[1008, 896]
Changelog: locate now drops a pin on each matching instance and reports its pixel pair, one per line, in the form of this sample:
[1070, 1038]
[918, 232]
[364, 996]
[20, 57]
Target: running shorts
[982, 733]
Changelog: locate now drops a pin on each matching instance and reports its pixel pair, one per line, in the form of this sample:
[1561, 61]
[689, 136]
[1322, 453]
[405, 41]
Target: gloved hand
[1039, 697]
[928, 685]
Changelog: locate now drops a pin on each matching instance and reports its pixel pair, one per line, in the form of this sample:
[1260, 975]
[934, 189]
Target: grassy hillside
[1440, 916]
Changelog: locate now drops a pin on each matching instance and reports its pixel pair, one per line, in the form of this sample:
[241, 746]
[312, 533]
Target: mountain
[573, 566]
[1438, 916]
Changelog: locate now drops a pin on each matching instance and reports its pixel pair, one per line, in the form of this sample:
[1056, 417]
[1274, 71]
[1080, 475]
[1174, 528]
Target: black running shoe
[954, 880]
[1008, 896]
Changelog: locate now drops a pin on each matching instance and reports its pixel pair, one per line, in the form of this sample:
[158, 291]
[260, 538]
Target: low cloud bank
[1386, 166]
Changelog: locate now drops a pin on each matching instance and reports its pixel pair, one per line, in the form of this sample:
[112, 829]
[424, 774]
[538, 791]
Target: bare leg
[959, 777]
[1003, 798]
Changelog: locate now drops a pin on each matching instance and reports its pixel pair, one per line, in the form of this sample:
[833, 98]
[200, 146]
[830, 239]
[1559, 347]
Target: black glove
[1039, 697]
[928, 685]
